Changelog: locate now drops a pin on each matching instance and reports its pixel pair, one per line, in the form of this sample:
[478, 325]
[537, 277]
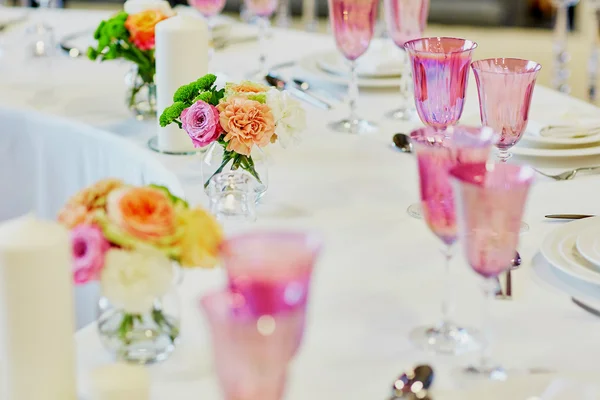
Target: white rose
[290, 117]
[132, 280]
[137, 6]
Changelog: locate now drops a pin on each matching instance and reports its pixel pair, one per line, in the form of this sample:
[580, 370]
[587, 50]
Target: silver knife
[569, 216]
[587, 308]
[281, 84]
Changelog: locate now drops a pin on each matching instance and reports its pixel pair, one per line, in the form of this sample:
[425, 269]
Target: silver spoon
[306, 86]
[413, 384]
[402, 142]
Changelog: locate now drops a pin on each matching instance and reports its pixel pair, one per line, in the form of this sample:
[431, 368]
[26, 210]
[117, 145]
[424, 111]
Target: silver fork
[568, 175]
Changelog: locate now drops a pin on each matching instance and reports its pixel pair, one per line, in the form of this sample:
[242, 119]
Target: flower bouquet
[127, 238]
[240, 118]
[130, 35]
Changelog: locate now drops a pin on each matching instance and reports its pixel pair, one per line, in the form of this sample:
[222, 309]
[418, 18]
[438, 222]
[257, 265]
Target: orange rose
[246, 122]
[145, 213]
[141, 27]
[82, 207]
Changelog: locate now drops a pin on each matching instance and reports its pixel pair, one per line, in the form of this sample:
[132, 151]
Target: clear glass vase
[140, 338]
[140, 97]
[217, 160]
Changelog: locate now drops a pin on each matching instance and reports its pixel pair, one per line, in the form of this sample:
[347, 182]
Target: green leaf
[171, 113]
[185, 94]
[204, 83]
[174, 199]
[260, 97]
[204, 96]
[92, 53]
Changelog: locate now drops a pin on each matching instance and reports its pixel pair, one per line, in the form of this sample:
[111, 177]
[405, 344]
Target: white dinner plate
[310, 65]
[10, 16]
[559, 248]
[382, 60]
[532, 135]
[523, 149]
[588, 245]
[526, 387]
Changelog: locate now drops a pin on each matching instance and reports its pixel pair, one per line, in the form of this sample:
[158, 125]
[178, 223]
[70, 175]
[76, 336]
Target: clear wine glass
[438, 151]
[263, 10]
[440, 67]
[209, 10]
[41, 33]
[353, 23]
[490, 200]
[406, 20]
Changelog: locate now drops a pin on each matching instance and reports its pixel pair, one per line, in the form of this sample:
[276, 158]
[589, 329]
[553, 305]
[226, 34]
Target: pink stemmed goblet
[406, 20]
[490, 201]
[505, 87]
[438, 151]
[263, 9]
[251, 352]
[272, 270]
[440, 67]
[353, 23]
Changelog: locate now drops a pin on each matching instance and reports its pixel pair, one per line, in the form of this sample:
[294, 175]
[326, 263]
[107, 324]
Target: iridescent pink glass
[490, 200]
[406, 19]
[262, 8]
[272, 270]
[438, 151]
[353, 23]
[251, 352]
[208, 8]
[505, 87]
[440, 68]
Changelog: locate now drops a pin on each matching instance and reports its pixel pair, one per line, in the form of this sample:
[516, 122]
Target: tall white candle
[181, 57]
[120, 382]
[37, 350]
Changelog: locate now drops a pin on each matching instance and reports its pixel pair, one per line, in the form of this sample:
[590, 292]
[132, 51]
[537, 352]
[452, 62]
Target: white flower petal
[290, 117]
[132, 280]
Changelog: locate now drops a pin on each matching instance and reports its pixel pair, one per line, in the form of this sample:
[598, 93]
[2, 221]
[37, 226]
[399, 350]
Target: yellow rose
[201, 240]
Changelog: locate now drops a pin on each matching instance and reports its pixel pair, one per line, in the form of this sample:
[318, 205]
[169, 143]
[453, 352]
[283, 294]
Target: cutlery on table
[587, 308]
[304, 96]
[305, 86]
[413, 384]
[569, 216]
[568, 175]
[401, 142]
[224, 42]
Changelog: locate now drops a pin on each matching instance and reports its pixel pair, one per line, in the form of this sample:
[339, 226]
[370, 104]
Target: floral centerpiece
[130, 35]
[239, 118]
[127, 238]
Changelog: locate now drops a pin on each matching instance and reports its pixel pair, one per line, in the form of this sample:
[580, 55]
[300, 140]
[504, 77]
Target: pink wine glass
[353, 23]
[263, 9]
[209, 10]
[272, 270]
[490, 200]
[251, 352]
[440, 67]
[505, 87]
[438, 151]
[406, 20]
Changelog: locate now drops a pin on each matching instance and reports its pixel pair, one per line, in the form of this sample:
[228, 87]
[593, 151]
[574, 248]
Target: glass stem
[490, 287]
[263, 31]
[504, 155]
[406, 82]
[211, 38]
[447, 300]
[353, 97]
[561, 55]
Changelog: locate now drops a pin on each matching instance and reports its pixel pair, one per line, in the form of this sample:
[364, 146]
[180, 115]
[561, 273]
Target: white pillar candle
[181, 57]
[120, 382]
[37, 349]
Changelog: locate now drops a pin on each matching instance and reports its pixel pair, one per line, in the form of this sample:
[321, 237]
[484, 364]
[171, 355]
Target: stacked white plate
[380, 67]
[569, 260]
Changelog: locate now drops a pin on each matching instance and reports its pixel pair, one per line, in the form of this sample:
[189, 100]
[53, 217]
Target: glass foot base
[153, 145]
[357, 127]
[524, 227]
[496, 373]
[415, 211]
[448, 340]
[402, 114]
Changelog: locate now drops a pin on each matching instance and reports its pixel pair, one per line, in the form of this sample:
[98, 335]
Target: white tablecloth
[380, 274]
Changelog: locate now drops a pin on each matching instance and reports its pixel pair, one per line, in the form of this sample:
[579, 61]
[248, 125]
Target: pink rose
[201, 122]
[89, 247]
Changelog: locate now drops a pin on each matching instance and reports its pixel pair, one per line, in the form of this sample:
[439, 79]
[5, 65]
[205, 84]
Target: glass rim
[528, 171]
[475, 65]
[313, 240]
[486, 134]
[407, 47]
